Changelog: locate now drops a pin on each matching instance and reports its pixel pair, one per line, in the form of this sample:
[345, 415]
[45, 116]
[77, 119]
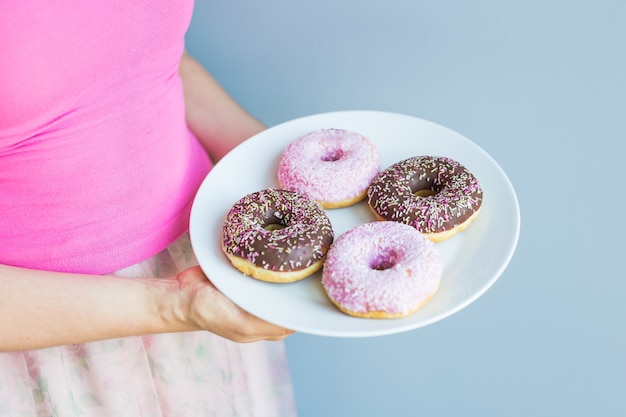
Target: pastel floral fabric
[182, 374]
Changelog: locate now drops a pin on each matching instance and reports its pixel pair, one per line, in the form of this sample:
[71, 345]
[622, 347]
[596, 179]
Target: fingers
[210, 310]
[255, 329]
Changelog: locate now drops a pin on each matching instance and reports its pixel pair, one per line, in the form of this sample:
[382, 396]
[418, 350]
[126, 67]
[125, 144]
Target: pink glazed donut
[333, 166]
[381, 270]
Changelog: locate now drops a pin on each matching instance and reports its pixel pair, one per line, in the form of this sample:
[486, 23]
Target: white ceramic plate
[473, 259]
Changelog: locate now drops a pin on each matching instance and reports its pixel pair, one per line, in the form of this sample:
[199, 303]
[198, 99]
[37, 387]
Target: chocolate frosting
[450, 193]
[278, 230]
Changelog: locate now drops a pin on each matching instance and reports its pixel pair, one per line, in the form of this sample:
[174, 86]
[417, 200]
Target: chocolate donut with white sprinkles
[436, 195]
[277, 235]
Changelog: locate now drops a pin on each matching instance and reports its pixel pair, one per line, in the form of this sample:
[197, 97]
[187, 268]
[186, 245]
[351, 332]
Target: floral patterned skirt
[179, 374]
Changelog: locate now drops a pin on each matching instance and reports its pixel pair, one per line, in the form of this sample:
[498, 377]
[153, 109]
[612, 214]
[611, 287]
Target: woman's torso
[97, 166]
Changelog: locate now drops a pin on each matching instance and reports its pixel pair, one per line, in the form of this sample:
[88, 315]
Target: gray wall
[541, 86]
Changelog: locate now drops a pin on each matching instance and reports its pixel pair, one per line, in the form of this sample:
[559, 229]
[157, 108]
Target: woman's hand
[201, 306]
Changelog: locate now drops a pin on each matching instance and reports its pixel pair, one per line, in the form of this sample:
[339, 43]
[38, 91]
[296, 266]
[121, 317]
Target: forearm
[40, 309]
[215, 118]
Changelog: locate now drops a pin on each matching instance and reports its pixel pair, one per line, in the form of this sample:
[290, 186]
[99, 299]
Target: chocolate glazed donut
[277, 235]
[436, 195]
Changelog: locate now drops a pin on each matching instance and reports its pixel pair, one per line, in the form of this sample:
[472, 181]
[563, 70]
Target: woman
[107, 128]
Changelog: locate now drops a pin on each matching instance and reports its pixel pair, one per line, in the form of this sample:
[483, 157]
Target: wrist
[170, 309]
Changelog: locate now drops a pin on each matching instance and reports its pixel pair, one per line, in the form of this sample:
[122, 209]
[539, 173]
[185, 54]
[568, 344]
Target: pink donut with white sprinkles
[381, 270]
[332, 166]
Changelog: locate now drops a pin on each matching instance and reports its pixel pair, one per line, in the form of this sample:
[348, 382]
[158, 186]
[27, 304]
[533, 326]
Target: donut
[436, 195]
[381, 270]
[333, 166]
[277, 235]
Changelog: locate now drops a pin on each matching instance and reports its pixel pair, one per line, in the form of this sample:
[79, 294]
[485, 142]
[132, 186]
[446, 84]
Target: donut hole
[383, 259]
[424, 193]
[273, 226]
[424, 187]
[272, 222]
[332, 155]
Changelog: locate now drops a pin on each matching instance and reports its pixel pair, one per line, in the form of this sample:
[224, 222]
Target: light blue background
[541, 86]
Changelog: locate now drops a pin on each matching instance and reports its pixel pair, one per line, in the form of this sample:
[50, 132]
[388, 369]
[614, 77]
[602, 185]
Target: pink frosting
[382, 266]
[329, 165]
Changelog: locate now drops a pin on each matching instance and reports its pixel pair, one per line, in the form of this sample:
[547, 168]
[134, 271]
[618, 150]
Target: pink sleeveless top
[97, 167]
